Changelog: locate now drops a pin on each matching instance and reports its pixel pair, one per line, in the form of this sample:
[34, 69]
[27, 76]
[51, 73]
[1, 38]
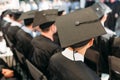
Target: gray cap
[101, 9]
[45, 16]
[28, 14]
[78, 26]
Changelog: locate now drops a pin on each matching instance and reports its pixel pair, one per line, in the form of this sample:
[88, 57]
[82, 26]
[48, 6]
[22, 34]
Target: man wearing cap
[26, 34]
[44, 45]
[69, 64]
[15, 26]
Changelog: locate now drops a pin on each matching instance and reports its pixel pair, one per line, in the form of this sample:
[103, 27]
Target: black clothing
[24, 43]
[4, 65]
[44, 48]
[61, 68]
[11, 33]
[111, 19]
[4, 26]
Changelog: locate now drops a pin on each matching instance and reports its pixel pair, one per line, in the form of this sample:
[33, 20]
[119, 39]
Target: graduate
[76, 37]
[26, 34]
[44, 45]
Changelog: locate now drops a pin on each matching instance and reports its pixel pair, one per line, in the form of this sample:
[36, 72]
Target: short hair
[45, 27]
[28, 22]
[16, 15]
[80, 44]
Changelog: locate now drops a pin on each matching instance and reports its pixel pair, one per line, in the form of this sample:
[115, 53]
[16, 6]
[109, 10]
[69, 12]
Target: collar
[69, 54]
[27, 30]
[7, 19]
[14, 23]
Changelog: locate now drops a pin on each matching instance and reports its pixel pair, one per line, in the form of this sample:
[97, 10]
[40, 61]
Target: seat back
[35, 73]
[116, 47]
[114, 67]
[93, 56]
[19, 56]
[8, 42]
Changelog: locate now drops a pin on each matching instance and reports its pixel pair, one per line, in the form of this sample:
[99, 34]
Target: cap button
[77, 23]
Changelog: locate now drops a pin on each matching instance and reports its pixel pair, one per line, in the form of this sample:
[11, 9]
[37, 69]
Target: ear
[91, 42]
[53, 28]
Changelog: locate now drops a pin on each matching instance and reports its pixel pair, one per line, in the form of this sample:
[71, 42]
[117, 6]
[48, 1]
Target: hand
[7, 73]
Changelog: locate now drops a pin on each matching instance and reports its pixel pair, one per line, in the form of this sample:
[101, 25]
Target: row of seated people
[43, 44]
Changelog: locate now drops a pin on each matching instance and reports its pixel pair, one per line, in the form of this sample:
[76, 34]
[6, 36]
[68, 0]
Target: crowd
[55, 37]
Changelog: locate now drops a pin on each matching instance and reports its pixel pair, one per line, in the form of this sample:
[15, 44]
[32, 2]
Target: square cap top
[78, 26]
[101, 9]
[45, 16]
[28, 14]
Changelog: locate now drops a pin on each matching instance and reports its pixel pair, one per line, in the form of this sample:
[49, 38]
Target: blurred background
[67, 5]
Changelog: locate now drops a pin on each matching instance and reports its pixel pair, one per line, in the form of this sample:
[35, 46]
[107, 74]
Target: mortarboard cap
[8, 11]
[16, 13]
[101, 9]
[28, 14]
[78, 26]
[45, 16]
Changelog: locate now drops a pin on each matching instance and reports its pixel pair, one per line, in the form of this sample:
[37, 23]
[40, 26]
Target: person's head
[28, 17]
[6, 13]
[81, 47]
[46, 20]
[78, 29]
[28, 22]
[16, 14]
[48, 26]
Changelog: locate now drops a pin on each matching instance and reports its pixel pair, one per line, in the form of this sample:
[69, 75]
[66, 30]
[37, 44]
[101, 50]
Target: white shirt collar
[7, 19]
[14, 23]
[69, 54]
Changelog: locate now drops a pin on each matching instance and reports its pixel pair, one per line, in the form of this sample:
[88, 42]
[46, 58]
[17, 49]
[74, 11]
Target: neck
[30, 27]
[82, 51]
[48, 35]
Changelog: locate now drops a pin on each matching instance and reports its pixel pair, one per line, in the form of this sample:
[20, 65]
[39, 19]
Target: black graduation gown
[111, 19]
[4, 25]
[11, 33]
[44, 48]
[62, 68]
[24, 43]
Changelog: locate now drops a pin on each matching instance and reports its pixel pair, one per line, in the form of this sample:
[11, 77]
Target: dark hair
[45, 26]
[28, 22]
[16, 15]
[80, 44]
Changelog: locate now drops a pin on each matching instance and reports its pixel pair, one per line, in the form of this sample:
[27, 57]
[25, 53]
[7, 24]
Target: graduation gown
[44, 48]
[62, 68]
[4, 25]
[24, 43]
[11, 33]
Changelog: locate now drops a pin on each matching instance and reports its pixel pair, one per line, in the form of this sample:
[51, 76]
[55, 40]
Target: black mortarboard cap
[45, 16]
[78, 26]
[28, 14]
[8, 11]
[101, 9]
[16, 13]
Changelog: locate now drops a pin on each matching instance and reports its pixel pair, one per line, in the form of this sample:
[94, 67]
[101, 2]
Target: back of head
[28, 22]
[79, 27]
[80, 44]
[16, 14]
